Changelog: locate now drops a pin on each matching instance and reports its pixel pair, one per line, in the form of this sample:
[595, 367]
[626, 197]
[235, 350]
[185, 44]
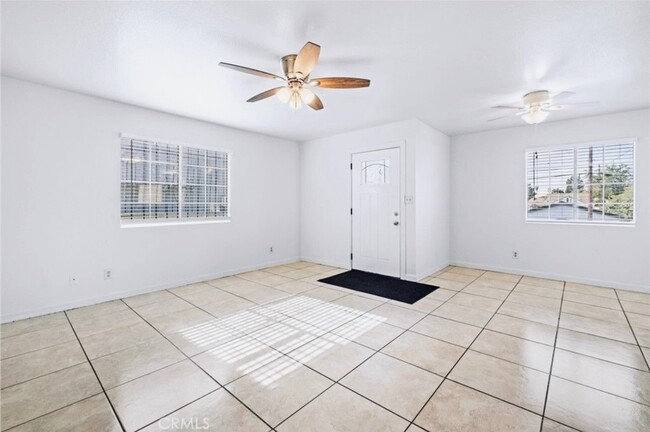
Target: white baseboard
[327, 263]
[409, 276]
[128, 293]
[556, 276]
[431, 271]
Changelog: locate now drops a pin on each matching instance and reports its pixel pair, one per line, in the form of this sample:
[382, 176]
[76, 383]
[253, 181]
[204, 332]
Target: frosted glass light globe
[284, 95]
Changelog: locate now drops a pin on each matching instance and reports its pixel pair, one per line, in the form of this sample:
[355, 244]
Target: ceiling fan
[538, 104]
[296, 68]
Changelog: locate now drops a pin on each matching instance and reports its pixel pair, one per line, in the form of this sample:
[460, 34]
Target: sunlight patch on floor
[295, 322]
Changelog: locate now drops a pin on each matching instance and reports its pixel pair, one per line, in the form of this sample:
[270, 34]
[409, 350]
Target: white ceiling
[445, 63]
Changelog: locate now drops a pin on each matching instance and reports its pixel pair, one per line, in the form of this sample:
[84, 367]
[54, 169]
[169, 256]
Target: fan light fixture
[536, 115]
[296, 69]
[295, 96]
[537, 105]
[285, 94]
[295, 102]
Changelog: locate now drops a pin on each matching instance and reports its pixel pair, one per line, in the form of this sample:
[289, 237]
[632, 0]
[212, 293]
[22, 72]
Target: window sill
[171, 223]
[559, 222]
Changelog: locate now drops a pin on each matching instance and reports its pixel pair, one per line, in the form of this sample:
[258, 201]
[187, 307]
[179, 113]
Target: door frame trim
[401, 145]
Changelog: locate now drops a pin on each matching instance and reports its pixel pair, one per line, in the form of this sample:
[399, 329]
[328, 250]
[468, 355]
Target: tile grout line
[194, 363]
[342, 323]
[249, 334]
[152, 339]
[517, 364]
[373, 354]
[146, 374]
[289, 295]
[235, 275]
[446, 377]
[475, 351]
[38, 349]
[377, 351]
[602, 360]
[52, 412]
[180, 408]
[330, 332]
[255, 304]
[632, 330]
[92, 367]
[564, 328]
[493, 397]
[335, 382]
[399, 335]
[314, 370]
[280, 352]
[583, 303]
[601, 391]
[223, 289]
[44, 375]
[550, 372]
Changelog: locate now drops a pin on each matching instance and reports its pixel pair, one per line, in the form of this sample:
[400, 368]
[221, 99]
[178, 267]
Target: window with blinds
[167, 182]
[205, 183]
[586, 183]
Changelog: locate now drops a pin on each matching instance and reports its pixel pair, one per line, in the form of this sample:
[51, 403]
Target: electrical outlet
[408, 199]
[271, 249]
[515, 255]
[108, 274]
[74, 280]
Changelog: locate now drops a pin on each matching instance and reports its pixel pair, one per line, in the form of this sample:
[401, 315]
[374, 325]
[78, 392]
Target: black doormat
[380, 285]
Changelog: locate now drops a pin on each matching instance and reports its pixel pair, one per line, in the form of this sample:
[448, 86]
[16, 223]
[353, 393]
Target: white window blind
[585, 184]
[205, 183]
[167, 182]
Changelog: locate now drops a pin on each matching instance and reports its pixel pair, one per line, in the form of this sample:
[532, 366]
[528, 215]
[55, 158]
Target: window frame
[180, 220]
[575, 147]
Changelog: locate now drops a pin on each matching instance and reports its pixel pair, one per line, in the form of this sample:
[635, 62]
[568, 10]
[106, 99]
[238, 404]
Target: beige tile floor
[275, 349]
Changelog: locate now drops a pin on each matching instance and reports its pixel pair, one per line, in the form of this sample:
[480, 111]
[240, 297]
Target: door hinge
[350, 257]
[350, 165]
[350, 211]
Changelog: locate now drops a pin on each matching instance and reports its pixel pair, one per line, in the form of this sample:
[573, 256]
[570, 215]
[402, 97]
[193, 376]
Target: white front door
[376, 211]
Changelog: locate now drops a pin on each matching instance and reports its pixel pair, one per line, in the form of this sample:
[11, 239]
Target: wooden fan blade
[247, 70]
[562, 95]
[316, 103]
[307, 58]
[340, 82]
[508, 107]
[265, 94]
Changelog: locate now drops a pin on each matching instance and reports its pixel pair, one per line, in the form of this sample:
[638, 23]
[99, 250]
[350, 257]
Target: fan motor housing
[287, 65]
[536, 97]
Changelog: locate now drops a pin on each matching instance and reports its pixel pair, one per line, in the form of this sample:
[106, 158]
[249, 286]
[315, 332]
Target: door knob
[395, 223]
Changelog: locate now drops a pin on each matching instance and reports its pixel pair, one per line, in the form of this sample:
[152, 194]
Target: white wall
[488, 207]
[60, 203]
[432, 200]
[325, 194]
